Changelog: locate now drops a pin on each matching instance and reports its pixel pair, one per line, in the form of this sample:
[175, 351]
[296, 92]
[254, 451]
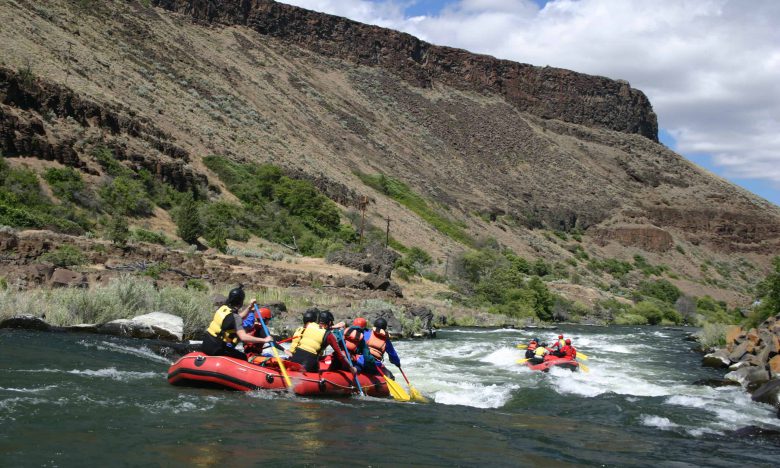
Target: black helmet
[325, 317]
[310, 316]
[380, 323]
[236, 296]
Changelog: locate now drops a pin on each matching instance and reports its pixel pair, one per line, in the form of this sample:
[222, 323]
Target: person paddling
[354, 339]
[227, 329]
[531, 349]
[310, 316]
[253, 326]
[314, 339]
[568, 351]
[378, 341]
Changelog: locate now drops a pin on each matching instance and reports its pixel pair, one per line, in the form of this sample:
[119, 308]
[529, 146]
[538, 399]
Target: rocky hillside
[551, 163]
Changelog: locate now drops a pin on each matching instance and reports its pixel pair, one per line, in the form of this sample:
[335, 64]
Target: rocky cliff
[502, 149]
[550, 93]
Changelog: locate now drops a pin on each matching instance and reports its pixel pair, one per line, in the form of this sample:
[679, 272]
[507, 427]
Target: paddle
[349, 360]
[276, 353]
[584, 368]
[416, 396]
[523, 361]
[396, 390]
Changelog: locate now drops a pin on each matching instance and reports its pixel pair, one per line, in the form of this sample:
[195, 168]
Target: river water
[76, 400]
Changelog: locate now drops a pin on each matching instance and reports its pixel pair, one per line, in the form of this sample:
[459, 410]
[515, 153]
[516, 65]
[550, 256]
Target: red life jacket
[569, 352]
[377, 342]
[532, 346]
[352, 338]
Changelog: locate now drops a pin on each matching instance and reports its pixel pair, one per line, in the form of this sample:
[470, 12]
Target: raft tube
[200, 370]
[544, 366]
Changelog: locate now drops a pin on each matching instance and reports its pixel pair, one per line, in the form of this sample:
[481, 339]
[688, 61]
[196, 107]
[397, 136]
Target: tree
[188, 225]
[118, 230]
[769, 292]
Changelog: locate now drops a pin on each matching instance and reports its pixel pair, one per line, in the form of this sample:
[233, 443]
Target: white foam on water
[478, 396]
[114, 374]
[8, 407]
[602, 380]
[141, 351]
[503, 357]
[658, 421]
[29, 390]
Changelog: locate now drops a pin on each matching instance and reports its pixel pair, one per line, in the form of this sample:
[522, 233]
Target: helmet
[359, 322]
[236, 296]
[309, 316]
[325, 317]
[380, 323]
[568, 341]
[265, 312]
[560, 337]
[537, 340]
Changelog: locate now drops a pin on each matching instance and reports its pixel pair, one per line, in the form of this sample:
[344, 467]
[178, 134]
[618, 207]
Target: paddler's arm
[247, 338]
[334, 343]
[392, 354]
[245, 312]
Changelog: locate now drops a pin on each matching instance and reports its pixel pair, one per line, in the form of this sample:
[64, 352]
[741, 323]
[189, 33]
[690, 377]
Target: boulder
[715, 383]
[768, 393]
[64, 278]
[39, 273]
[774, 366]
[774, 345]
[425, 315]
[719, 359]
[753, 336]
[26, 322]
[393, 324]
[749, 376]
[732, 334]
[166, 326]
[755, 432]
[738, 351]
[374, 259]
[156, 325]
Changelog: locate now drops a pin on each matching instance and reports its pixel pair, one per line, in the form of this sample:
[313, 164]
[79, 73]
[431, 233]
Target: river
[76, 400]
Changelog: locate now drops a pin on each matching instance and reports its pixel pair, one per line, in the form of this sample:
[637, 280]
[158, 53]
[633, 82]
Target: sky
[711, 68]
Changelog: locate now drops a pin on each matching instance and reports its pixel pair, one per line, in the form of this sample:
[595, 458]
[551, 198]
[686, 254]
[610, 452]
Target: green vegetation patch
[273, 206]
[404, 195]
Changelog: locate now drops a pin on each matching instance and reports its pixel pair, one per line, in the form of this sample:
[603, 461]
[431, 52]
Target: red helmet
[560, 337]
[568, 341]
[265, 312]
[360, 322]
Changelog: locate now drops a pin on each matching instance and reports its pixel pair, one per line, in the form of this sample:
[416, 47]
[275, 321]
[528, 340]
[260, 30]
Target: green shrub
[155, 270]
[712, 335]
[64, 256]
[126, 196]
[196, 284]
[142, 235]
[660, 289]
[66, 183]
[404, 195]
[769, 292]
[188, 225]
[118, 230]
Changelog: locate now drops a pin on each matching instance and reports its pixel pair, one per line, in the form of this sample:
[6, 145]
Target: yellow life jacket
[215, 328]
[312, 339]
[296, 339]
[540, 351]
[377, 342]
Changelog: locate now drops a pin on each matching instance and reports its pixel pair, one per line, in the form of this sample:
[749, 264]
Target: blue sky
[711, 68]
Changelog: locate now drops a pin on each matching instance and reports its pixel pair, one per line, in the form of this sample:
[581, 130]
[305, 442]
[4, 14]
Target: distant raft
[200, 370]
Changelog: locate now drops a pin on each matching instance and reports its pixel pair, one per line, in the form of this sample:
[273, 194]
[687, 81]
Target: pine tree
[118, 230]
[188, 225]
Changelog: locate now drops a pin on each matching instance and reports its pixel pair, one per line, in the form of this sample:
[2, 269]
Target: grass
[713, 335]
[404, 195]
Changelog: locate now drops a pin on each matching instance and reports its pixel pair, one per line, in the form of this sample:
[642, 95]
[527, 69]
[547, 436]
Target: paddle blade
[396, 390]
[584, 368]
[582, 356]
[417, 396]
[522, 346]
[522, 361]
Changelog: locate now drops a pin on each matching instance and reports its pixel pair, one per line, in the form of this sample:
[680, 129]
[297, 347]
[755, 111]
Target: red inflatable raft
[544, 366]
[199, 370]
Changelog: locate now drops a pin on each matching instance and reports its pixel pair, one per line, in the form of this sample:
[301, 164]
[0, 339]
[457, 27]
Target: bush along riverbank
[134, 307]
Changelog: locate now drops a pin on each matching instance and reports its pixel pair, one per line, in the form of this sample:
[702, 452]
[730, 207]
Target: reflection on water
[66, 399]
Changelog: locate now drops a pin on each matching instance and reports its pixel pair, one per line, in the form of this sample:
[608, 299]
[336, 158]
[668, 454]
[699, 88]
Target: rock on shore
[753, 359]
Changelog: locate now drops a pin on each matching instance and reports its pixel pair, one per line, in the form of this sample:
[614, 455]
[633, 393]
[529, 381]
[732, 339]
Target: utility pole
[387, 233]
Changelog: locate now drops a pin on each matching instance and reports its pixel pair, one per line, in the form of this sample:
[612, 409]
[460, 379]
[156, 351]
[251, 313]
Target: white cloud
[711, 68]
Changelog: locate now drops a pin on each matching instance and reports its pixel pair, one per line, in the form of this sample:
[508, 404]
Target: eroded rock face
[26, 322]
[374, 259]
[588, 100]
[651, 238]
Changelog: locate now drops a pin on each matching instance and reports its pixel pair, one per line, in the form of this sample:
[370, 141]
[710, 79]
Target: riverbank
[752, 358]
